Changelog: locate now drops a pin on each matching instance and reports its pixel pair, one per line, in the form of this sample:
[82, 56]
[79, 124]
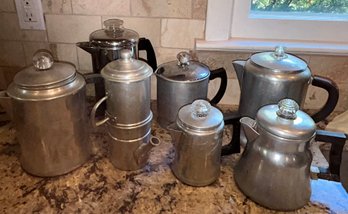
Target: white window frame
[230, 28]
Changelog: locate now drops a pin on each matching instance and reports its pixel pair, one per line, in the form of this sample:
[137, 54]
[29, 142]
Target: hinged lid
[114, 35]
[285, 120]
[279, 61]
[183, 70]
[199, 116]
[126, 69]
[44, 73]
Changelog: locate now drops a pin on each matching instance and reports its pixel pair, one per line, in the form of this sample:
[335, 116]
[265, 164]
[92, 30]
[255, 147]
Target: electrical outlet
[30, 14]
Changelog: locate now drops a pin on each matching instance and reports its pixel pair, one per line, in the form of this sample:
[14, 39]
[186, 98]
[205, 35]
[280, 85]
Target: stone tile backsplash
[171, 25]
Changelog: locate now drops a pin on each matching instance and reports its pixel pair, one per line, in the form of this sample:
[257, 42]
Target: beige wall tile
[71, 29]
[333, 67]
[199, 9]
[7, 6]
[162, 8]
[232, 93]
[84, 60]
[149, 28]
[57, 6]
[10, 30]
[167, 54]
[181, 33]
[101, 7]
[12, 54]
[30, 49]
[6, 76]
[65, 53]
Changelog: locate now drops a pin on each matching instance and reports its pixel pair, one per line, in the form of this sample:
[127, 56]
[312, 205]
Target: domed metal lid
[183, 70]
[44, 73]
[126, 69]
[278, 61]
[114, 35]
[199, 116]
[285, 120]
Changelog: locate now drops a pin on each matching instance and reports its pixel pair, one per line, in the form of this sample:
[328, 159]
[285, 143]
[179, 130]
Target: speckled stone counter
[97, 187]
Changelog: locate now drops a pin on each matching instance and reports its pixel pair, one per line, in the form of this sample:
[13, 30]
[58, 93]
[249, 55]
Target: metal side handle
[94, 110]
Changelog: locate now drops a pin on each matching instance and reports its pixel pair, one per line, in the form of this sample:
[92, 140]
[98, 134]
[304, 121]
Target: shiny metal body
[197, 147]
[274, 169]
[49, 113]
[261, 86]
[53, 134]
[128, 116]
[172, 95]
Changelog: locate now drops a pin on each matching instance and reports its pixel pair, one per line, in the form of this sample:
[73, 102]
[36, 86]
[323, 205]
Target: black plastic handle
[98, 81]
[234, 146]
[145, 44]
[219, 73]
[332, 100]
[337, 140]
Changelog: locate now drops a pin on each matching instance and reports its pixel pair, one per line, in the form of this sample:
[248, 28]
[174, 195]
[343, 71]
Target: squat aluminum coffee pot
[274, 169]
[197, 139]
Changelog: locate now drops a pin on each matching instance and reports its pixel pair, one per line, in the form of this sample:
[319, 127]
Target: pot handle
[94, 109]
[219, 73]
[145, 44]
[332, 100]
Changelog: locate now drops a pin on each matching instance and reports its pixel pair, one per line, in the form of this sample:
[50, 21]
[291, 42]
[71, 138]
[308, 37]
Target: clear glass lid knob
[113, 25]
[287, 109]
[42, 60]
[279, 52]
[183, 58]
[200, 109]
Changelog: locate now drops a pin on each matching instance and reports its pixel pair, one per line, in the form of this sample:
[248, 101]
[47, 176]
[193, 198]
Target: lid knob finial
[183, 58]
[287, 109]
[126, 54]
[200, 108]
[42, 60]
[279, 52]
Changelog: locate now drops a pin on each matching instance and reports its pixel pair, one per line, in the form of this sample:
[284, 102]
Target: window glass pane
[304, 6]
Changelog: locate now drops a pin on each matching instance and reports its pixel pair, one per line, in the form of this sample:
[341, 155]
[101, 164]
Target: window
[256, 25]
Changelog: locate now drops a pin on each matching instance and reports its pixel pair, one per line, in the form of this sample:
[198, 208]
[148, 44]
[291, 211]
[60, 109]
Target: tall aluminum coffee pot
[50, 118]
[128, 116]
[274, 169]
[267, 77]
[181, 82]
[105, 45]
[197, 139]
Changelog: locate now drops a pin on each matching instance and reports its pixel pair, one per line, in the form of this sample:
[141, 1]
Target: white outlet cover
[30, 14]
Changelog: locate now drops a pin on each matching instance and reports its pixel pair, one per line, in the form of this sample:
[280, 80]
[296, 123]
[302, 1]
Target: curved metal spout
[248, 126]
[142, 152]
[87, 47]
[238, 66]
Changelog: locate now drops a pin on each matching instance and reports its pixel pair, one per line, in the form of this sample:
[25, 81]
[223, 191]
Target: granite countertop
[98, 187]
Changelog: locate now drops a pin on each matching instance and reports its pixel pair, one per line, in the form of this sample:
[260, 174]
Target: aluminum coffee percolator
[197, 140]
[274, 169]
[128, 115]
[105, 45]
[49, 113]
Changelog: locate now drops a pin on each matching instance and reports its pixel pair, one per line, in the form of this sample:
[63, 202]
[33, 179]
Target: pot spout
[238, 66]
[248, 127]
[87, 47]
[6, 103]
[141, 154]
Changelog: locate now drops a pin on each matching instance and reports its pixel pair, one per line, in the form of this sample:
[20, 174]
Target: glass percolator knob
[42, 60]
[200, 109]
[287, 109]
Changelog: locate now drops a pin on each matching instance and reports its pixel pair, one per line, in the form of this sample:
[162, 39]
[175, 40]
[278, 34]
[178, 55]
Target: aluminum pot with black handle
[128, 115]
[181, 82]
[197, 138]
[49, 113]
[267, 77]
[105, 45]
[274, 169]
